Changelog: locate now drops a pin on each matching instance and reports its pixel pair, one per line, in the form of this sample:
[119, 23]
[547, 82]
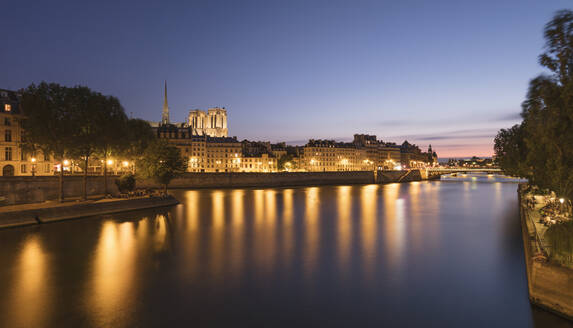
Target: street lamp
[33, 160]
[561, 200]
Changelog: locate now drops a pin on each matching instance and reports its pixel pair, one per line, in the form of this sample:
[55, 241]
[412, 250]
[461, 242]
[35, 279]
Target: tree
[541, 148]
[113, 135]
[161, 162]
[86, 116]
[139, 135]
[49, 122]
[283, 160]
[548, 110]
[510, 151]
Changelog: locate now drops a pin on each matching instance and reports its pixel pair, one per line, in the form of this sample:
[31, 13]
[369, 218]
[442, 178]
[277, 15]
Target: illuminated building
[363, 154]
[212, 123]
[13, 160]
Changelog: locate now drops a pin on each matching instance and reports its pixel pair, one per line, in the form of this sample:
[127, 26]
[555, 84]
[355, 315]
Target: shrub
[560, 238]
[125, 183]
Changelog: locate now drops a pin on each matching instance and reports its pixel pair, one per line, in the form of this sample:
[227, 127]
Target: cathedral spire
[165, 113]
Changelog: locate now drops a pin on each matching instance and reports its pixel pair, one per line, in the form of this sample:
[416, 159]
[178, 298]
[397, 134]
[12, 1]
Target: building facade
[213, 123]
[363, 154]
[14, 161]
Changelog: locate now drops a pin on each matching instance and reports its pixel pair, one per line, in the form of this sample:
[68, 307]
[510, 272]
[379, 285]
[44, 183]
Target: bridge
[444, 170]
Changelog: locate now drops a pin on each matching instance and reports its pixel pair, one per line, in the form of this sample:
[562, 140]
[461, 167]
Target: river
[437, 253]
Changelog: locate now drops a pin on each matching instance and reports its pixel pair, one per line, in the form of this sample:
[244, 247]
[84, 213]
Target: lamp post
[561, 200]
[33, 160]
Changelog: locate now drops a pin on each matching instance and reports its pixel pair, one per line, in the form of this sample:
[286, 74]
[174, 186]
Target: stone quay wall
[550, 285]
[33, 214]
[280, 179]
[23, 190]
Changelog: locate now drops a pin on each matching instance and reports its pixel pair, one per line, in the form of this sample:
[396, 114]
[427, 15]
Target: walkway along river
[432, 253]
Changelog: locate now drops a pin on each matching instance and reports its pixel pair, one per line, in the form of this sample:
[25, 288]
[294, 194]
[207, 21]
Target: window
[8, 135]
[7, 107]
[23, 168]
[7, 121]
[8, 154]
[46, 158]
[47, 167]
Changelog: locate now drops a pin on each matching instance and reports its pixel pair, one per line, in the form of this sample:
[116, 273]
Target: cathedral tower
[165, 113]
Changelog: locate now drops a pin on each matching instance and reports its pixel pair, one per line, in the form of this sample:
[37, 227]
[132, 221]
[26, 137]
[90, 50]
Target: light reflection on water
[444, 253]
[31, 291]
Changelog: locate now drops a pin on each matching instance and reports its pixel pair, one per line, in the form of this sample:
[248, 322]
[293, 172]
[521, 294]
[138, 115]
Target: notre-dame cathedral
[212, 123]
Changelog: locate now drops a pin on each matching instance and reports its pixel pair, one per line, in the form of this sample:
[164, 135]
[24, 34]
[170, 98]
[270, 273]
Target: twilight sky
[446, 73]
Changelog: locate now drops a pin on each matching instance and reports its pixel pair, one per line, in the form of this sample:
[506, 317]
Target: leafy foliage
[560, 237]
[125, 183]
[139, 136]
[49, 119]
[161, 162]
[511, 152]
[541, 148]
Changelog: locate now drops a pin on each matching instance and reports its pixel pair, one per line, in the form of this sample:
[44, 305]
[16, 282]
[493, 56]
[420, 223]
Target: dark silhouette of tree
[113, 137]
[510, 151]
[139, 135]
[49, 123]
[86, 116]
[161, 162]
[545, 137]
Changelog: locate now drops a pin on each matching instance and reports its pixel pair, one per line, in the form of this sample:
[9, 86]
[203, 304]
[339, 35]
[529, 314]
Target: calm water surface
[441, 253]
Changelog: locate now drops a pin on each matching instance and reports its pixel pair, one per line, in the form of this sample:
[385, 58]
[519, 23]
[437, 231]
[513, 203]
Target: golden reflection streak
[259, 205]
[237, 232]
[498, 198]
[287, 224]
[192, 206]
[414, 213]
[270, 220]
[113, 274]
[142, 228]
[394, 224]
[160, 233]
[217, 230]
[433, 205]
[311, 228]
[344, 202]
[264, 235]
[31, 288]
[368, 197]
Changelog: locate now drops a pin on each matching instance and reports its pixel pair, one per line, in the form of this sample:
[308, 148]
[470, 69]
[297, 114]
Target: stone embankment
[30, 214]
[550, 284]
[25, 190]
[279, 179]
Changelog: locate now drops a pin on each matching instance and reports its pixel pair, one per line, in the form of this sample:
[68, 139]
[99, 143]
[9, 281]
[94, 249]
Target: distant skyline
[446, 73]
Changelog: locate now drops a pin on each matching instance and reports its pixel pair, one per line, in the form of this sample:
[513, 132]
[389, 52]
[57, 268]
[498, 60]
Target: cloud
[474, 117]
[448, 137]
[508, 117]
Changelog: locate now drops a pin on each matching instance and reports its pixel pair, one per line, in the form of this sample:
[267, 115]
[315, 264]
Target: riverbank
[40, 213]
[550, 284]
[25, 190]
